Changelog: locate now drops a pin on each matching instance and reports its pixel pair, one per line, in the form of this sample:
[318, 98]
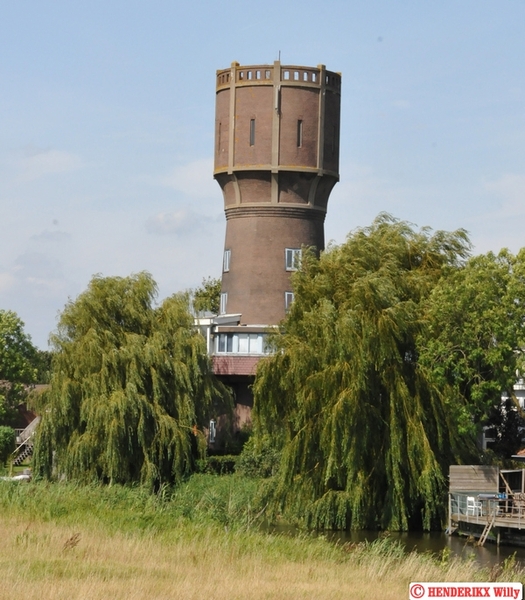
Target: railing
[24, 436]
[479, 508]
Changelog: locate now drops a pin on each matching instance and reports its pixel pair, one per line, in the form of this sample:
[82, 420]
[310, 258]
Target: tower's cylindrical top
[277, 117]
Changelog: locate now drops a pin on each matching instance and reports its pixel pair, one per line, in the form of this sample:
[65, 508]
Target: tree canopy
[206, 298]
[131, 384]
[366, 435]
[475, 339]
[17, 359]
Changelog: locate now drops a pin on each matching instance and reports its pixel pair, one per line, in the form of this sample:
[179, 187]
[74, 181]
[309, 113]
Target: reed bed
[61, 541]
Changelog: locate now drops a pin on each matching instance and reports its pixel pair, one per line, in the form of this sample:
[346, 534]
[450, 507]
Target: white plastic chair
[474, 507]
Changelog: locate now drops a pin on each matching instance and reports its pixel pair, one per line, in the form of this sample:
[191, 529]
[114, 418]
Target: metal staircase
[25, 453]
[24, 442]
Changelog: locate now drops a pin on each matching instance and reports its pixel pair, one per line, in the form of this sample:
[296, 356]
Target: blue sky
[106, 129]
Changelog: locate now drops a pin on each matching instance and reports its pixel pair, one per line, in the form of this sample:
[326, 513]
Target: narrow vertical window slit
[299, 133]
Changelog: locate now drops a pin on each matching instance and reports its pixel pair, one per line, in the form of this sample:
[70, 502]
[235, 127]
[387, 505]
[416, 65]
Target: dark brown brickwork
[235, 365]
[253, 103]
[276, 160]
[299, 104]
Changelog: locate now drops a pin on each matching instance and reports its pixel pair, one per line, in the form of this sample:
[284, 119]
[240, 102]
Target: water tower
[276, 160]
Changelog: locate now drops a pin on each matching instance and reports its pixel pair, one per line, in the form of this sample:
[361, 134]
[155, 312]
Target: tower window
[252, 132]
[219, 138]
[226, 260]
[299, 133]
[292, 258]
[288, 300]
[224, 301]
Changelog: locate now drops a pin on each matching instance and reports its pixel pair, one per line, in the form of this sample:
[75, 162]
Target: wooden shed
[487, 502]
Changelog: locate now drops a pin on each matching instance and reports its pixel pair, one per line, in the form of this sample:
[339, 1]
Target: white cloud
[365, 189]
[194, 179]
[180, 222]
[39, 274]
[36, 163]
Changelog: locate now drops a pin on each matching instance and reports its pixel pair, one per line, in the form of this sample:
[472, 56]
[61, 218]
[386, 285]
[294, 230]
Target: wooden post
[449, 513]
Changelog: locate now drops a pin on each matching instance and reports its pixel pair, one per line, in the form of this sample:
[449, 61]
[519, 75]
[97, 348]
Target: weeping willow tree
[365, 435]
[131, 383]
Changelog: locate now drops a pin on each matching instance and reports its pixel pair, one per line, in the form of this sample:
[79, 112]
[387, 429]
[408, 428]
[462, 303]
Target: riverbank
[62, 541]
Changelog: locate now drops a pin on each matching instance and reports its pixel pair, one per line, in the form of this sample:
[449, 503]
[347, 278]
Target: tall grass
[226, 500]
[64, 541]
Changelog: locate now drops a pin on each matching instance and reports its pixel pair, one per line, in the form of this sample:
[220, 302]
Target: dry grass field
[119, 545]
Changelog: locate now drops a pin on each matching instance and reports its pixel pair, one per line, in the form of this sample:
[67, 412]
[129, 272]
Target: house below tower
[235, 351]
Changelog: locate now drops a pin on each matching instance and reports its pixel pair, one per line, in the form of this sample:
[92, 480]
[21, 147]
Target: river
[435, 542]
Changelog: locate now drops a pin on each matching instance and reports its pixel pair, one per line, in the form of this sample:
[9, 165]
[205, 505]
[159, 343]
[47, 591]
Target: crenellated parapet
[284, 74]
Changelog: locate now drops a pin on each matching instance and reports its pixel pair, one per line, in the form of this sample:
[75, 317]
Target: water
[435, 542]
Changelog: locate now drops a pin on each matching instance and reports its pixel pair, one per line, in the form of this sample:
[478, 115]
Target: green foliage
[476, 321]
[203, 498]
[16, 350]
[229, 500]
[7, 443]
[130, 386]
[259, 458]
[17, 355]
[207, 297]
[365, 434]
[221, 464]
[42, 363]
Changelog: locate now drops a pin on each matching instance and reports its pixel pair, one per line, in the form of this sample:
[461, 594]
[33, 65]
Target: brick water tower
[276, 160]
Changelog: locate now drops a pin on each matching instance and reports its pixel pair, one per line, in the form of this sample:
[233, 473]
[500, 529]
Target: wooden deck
[504, 520]
[494, 519]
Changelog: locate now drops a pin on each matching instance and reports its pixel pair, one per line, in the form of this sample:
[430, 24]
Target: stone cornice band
[287, 211]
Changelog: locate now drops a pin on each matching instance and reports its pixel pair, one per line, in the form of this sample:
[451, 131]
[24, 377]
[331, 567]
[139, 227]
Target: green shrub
[7, 443]
[218, 465]
[259, 458]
